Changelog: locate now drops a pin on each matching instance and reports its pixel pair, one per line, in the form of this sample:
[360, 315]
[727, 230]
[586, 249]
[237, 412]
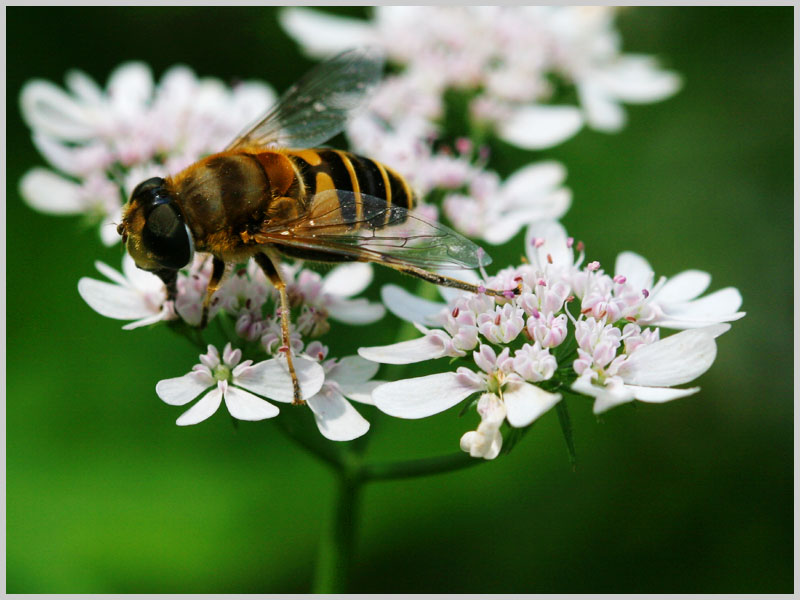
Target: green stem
[336, 546]
[419, 467]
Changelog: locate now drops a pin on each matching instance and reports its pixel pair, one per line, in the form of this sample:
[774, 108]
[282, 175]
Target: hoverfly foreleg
[170, 279]
[217, 272]
[270, 267]
[445, 281]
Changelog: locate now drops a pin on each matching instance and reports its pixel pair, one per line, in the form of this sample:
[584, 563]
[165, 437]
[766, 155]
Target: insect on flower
[259, 198]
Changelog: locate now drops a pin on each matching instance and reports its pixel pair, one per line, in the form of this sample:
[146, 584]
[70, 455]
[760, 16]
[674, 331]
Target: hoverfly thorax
[158, 238]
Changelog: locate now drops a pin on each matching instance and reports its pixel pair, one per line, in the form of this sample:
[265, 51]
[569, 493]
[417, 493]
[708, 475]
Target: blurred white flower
[496, 211]
[98, 138]
[238, 385]
[134, 295]
[510, 53]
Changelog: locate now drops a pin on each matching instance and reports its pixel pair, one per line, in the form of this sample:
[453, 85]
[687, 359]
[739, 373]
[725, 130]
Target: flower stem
[334, 560]
[419, 467]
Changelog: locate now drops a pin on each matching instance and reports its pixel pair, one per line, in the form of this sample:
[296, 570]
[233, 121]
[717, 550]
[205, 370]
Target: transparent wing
[317, 106]
[364, 228]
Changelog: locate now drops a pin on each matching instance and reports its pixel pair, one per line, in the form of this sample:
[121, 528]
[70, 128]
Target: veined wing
[317, 106]
[363, 227]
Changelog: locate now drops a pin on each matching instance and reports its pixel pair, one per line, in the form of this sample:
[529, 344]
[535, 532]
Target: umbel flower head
[573, 328]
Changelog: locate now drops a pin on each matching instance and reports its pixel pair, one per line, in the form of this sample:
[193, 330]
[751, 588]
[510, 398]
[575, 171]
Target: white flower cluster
[523, 349]
[253, 303]
[504, 61]
[103, 143]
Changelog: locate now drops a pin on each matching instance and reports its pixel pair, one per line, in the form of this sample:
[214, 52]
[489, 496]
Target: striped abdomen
[326, 169]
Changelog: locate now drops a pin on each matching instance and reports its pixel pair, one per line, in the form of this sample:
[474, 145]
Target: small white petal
[403, 353]
[635, 78]
[270, 378]
[111, 273]
[535, 178]
[178, 391]
[636, 270]
[48, 109]
[526, 402]
[421, 396]
[112, 300]
[724, 302]
[674, 360]
[204, 408]
[246, 406]
[555, 244]
[322, 34]
[161, 316]
[355, 312]
[603, 111]
[336, 418]
[538, 127]
[130, 88]
[684, 286]
[353, 369]
[658, 395]
[360, 392]
[409, 307]
[47, 192]
[347, 280]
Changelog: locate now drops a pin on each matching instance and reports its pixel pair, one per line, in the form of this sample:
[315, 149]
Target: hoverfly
[259, 198]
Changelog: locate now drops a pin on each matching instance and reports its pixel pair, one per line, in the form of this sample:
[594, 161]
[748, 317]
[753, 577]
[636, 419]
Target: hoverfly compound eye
[167, 237]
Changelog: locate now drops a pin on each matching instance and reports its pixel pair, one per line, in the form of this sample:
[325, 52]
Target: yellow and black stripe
[327, 169]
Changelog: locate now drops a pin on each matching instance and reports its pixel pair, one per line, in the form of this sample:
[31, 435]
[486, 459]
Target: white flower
[135, 295]
[633, 79]
[348, 377]
[420, 397]
[651, 370]
[674, 302]
[101, 138]
[509, 53]
[496, 212]
[238, 385]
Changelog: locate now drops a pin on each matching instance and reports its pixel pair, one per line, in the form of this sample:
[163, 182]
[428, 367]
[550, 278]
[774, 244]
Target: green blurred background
[106, 494]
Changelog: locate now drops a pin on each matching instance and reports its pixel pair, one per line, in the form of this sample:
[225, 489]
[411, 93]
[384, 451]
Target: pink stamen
[570, 241]
[542, 282]
[620, 279]
[593, 266]
[537, 242]
[645, 293]
[580, 246]
[481, 289]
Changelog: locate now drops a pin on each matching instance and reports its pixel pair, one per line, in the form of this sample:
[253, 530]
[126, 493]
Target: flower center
[222, 373]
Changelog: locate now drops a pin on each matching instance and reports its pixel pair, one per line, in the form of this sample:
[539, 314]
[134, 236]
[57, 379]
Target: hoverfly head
[157, 236]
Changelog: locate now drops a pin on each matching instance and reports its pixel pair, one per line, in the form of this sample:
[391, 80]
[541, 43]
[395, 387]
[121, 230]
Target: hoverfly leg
[170, 279]
[217, 272]
[270, 267]
[446, 281]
